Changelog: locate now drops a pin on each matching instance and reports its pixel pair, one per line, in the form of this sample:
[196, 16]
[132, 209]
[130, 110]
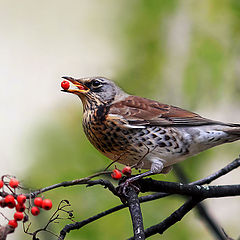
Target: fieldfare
[144, 133]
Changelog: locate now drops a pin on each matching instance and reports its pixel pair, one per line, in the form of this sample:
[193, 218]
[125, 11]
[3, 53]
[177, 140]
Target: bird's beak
[81, 87]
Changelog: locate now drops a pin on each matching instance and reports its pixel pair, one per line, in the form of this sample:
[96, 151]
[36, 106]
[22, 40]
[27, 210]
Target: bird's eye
[96, 84]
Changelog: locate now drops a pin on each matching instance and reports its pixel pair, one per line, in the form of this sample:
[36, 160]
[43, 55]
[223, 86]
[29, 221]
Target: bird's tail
[234, 132]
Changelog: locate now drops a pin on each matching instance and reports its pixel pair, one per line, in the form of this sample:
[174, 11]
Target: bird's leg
[156, 168]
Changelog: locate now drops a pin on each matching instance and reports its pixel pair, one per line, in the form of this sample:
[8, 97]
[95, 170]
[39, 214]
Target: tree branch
[151, 197]
[228, 168]
[172, 219]
[78, 225]
[136, 214]
[83, 181]
[150, 185]
[186, 207]
[201, 208]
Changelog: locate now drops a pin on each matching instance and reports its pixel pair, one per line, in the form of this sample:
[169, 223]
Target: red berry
[20, 207]
[21, 199]
[13, 223]
[65, 85]
[38, 201]
[116, 174]
[1, 183]
[127, 170]
[10, 201]
[18, 216]
[35, 211]
[13, 183]
[47, 204]
[12, 205]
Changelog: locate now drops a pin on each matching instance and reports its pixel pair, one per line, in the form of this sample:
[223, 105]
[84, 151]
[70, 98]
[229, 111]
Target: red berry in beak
[65, 85]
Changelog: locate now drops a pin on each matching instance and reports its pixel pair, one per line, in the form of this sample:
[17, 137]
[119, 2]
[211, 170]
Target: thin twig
[228, 168]
[78, 225]
[201, 208]
[81, 181]
[172, 219]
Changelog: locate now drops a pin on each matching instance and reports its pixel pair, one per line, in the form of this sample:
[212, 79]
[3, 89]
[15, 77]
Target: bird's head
[95, 90]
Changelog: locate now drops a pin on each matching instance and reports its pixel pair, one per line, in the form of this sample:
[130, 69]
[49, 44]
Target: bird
[144, 133]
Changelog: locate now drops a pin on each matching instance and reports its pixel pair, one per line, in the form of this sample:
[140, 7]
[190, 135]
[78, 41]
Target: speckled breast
[106, 136]
[132, 145]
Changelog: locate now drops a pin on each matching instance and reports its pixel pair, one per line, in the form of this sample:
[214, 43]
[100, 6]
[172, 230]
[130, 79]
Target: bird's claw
[122, 188]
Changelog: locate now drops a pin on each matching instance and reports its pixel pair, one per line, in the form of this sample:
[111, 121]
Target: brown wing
[138, 111]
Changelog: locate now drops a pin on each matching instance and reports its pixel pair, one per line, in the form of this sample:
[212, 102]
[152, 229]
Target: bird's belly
[183, 142]
[131, 146]
[140, 146]
[205, 137]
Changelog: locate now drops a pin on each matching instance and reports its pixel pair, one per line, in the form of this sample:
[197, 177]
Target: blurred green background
[184, 53]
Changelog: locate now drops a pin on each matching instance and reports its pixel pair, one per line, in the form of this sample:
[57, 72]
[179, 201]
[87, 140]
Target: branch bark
[150, 185]
[136, 214]
[172, 219]
[179, 213]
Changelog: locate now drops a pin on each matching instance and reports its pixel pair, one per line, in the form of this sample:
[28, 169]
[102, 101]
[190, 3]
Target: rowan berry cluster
[117, 174]
[12, 200]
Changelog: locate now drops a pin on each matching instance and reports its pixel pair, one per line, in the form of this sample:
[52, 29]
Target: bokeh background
[185, 53]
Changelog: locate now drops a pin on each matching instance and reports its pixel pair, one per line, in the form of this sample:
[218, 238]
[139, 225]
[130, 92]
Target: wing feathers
[139, 111]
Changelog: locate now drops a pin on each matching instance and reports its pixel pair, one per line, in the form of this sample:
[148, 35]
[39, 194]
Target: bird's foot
[122, 188]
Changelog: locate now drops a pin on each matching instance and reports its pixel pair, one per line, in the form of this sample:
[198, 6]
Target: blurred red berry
[12, 205]
[38, 202]
[10, 201]
[21, 199]
[65, 85]
[116, 174]
[20, 207]
[35, 211]
[2, 203]
[1, 183]
[18, 216]
[47, 204]
[127, 170]
[13, 223]
[13, 183]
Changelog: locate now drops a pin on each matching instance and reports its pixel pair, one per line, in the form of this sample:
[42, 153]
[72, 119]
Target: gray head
[96, 90]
